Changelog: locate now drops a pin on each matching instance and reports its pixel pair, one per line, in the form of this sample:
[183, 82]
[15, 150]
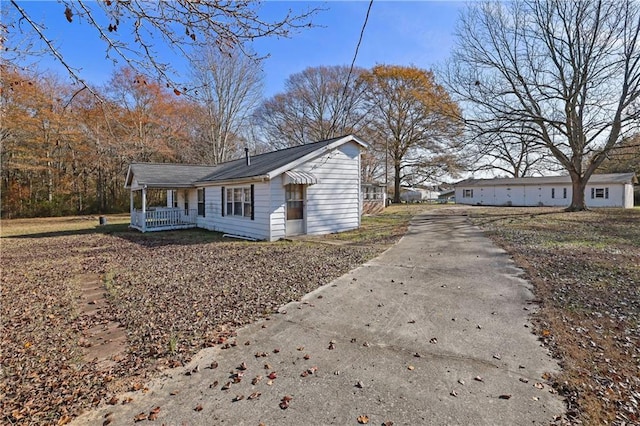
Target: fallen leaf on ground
[363, 420]
[284, 402]
[140, 417]
[198, 407]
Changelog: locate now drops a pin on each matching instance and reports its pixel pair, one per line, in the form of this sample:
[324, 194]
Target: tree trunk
[578, 184]
[396, 183]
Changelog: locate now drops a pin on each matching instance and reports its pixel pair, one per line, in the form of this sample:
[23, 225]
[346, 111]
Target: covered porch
[170, 190]
[171, 217]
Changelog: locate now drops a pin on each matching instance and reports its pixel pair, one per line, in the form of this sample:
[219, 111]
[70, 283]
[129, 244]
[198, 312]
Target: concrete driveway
[435, 331]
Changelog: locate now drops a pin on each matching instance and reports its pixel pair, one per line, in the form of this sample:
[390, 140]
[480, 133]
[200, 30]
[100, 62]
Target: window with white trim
[201, 202]
[174, 198]
[238, 202]
[600, 193]
[467, 193]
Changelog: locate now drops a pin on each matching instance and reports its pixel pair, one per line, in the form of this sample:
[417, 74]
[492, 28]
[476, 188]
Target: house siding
[277, 209]
[242, 226]
[333, 204]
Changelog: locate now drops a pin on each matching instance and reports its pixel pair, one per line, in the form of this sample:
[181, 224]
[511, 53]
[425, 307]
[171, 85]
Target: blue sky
[401, 33]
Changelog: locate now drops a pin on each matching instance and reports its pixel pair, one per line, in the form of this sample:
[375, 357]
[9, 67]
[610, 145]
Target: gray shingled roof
[263, 163]
[548, 180]
[166, 175]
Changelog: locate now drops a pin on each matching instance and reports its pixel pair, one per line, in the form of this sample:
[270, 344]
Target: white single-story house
[307, 189]
[419, 193]
[602, 190]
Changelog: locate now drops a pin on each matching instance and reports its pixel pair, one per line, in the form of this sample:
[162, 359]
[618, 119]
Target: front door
[295, 198]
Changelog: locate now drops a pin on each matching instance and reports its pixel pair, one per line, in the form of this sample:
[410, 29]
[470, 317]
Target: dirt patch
[105, 342]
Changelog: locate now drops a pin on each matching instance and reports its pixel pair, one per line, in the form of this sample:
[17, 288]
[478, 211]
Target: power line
[355, 55]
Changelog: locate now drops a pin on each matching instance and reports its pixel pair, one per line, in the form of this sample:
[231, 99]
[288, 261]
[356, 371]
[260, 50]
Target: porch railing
[163, 218]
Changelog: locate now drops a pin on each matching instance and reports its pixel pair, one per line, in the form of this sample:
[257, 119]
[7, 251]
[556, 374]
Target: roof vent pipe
[246, 154]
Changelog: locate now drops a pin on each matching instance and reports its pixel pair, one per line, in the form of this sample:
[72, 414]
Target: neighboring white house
[307, 189]
[605, 190]
[419, 193]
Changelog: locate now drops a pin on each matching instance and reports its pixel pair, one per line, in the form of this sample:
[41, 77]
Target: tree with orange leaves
[414, 123]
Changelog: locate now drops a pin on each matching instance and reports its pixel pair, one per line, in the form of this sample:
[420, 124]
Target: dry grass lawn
[586, 270]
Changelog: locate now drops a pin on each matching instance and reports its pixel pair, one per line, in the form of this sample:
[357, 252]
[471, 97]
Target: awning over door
[299, 178]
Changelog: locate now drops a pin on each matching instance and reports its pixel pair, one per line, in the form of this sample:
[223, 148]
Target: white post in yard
[144, 208]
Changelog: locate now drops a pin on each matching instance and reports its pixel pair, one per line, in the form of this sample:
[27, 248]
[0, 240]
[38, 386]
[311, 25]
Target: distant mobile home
[307, 189]
[603, 190]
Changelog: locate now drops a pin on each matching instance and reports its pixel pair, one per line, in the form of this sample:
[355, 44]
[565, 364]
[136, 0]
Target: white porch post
[131, 209]
[144, 208]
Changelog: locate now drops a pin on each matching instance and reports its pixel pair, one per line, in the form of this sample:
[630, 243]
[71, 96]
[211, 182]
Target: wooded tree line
[66, 151]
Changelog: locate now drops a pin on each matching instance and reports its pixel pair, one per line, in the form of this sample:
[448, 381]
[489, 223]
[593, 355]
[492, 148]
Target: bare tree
[318, 103]
[228, 88]
[414, 121]
[624, 158]
[513, 152]
[566, 72]
[183, 26]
